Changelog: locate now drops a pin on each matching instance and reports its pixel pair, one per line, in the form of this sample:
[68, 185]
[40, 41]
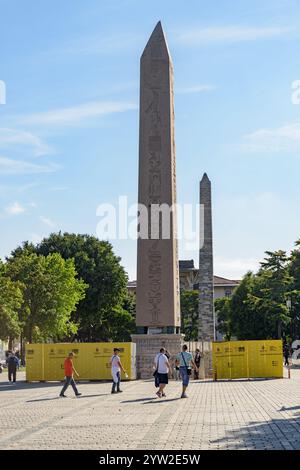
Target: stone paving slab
[241, 414]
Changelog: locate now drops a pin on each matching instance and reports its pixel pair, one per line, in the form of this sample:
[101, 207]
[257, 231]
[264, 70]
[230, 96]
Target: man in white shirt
[162, 367]
[116, 367]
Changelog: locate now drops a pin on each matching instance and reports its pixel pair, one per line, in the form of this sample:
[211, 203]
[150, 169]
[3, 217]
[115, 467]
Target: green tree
[223, 313]
[189, 301]
[272, 286]
[10, 302]
[51, 292]
[294, 295]
[119, 325]
[258, 307]
[241, 314]
[100, 268]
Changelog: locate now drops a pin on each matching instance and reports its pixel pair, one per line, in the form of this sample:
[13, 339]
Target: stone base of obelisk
[147, 346]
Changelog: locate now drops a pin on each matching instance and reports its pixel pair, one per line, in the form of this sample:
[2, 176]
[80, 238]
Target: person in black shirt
[13, 364]
[197, 360]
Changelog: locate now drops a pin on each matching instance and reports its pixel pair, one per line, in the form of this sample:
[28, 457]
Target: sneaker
[78, 394]
[113, 391]
[63, 396]
[119, 391]
[184, 395]
[158, 394]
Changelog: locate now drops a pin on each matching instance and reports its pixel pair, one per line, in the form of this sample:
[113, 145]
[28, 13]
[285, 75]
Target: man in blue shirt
[185, 362]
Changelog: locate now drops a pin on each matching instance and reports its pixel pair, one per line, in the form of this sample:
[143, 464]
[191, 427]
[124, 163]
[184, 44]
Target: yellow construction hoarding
[91, 360]
[247, 359]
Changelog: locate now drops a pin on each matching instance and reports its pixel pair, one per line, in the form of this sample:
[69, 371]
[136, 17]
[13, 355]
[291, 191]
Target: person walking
[176, 373]
[286, 353]
[161, 374]
[12, 364]
[69, 372]
[185, 361]
[197, 360]
[116, 367]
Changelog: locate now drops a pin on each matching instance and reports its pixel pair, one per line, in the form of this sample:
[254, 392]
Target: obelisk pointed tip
[205, 178]
[158, 25]
[157, 46]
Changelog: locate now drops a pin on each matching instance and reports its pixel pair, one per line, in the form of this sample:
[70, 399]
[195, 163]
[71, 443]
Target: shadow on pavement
[137, 400]
[161, 400]
[261, 436]
[4, 386]
[92, 396]
[290, 408]
[22, 385]
[42, 399]
[59, 398]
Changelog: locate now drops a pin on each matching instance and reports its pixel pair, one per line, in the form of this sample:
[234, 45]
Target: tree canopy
[189, 301]
[106, 303]
[50, 293]
[11, 299]
[265, 305]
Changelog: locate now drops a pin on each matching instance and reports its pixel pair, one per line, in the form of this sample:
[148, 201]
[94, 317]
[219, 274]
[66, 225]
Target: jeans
[184, 375]
[69, 381]
[116, 381]
[12, 371]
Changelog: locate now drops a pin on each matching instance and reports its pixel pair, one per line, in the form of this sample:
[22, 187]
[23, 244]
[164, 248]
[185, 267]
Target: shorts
[163, 378]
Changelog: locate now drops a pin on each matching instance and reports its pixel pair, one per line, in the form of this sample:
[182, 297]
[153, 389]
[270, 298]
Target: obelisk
[206, 273]
[157, 293]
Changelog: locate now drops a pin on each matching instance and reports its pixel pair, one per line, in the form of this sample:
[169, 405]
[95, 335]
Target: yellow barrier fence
[245, 359]
[45, 362]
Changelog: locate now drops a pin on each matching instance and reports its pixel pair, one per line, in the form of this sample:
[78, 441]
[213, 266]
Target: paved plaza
[255, 414]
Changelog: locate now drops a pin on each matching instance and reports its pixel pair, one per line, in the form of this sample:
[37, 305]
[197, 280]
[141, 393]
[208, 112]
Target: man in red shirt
[69, 371]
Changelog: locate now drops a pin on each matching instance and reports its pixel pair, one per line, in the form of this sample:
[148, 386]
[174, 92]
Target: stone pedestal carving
[147, 346]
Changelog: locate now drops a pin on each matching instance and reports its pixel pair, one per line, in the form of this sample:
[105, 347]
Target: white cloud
[286, 137]
[47, 222]
[9, 137]
[194, 89]
[15, 209]
[230, 34]
[35, 238]
[235, 268]
[76, 114]
[18, 167]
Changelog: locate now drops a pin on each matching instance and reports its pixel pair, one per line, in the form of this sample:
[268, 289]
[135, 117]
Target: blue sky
[69, 128]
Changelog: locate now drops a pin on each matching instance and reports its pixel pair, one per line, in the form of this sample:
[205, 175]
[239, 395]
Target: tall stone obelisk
[206, 273]
[157, 294]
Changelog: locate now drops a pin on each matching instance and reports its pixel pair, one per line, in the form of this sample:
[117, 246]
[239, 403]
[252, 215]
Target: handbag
[188, 369]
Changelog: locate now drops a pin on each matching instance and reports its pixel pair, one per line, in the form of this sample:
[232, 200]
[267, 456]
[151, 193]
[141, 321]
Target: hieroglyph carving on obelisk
[158, 304]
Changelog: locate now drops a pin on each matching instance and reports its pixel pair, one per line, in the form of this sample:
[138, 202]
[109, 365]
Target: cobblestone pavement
[255, 414]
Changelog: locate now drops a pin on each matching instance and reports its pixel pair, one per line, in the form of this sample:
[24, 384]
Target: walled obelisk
[157, 294]
[206, 273]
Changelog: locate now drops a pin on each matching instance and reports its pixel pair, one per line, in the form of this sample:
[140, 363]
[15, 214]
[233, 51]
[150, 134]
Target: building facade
[189, 280]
